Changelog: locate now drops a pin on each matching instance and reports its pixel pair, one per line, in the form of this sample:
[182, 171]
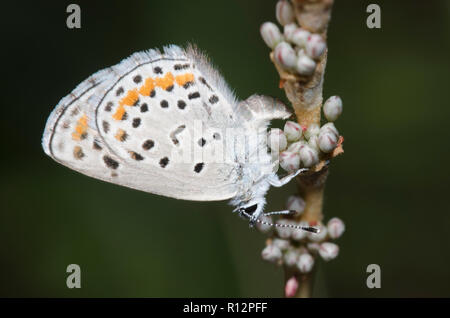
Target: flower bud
[312, 130]
[291, 287]
[308, 156]
[296, 146]
[305, 263]
[284, 12]
[281, 244]
[297, 234]
[305, 65]
[335, 228]
[264, 228]
[317, 237]
[315, 46]
[285, 55]
[291, 257]
[270, 34]
[289, 30]
[332, 108]
[328, 251]
[296, 203]
[292, 130]
[327, 141]
[313, 142]
[277, 140]
[290, 161]
[299, 37]
[283, 232]
[329, 127]
[313, 247]
[271, 253]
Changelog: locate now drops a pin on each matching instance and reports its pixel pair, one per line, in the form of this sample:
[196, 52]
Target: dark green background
[390, 186]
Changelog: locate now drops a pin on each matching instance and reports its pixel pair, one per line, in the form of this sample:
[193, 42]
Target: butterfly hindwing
[71, 137]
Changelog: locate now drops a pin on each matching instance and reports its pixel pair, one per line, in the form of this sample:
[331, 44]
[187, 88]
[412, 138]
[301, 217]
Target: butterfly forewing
[147, 125]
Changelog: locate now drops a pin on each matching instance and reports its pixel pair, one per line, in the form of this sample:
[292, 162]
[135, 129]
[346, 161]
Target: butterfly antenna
[292, 226]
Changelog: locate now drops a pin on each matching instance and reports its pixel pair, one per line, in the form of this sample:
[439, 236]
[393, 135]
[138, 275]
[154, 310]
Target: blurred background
[390, 187]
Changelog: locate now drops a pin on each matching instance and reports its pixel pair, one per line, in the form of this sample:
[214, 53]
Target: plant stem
[305, 286]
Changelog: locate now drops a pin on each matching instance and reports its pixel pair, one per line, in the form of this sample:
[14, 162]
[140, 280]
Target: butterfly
[160, 122]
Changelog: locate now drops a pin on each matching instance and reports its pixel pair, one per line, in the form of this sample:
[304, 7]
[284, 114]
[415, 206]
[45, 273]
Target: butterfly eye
[251, 209]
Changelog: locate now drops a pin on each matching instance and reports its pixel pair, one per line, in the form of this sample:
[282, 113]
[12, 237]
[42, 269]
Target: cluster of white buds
[296, 146]
[298, 249]
[296, 49]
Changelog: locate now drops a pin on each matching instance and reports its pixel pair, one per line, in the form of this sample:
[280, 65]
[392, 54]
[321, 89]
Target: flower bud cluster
[301, 147]
[298, 249]
[296, 49]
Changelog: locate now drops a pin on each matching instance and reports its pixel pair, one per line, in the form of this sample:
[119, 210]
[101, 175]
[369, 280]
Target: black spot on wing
[122, 135]
[164, 103]
[178, 67]
[148, 144]
[204, 82]
[136, 156]
[201, 142]
[96, 145]
[194, 95]
[188, 84]
[75, 111]
[144, 108]
[105, 126]
[119, 91]
[110, 162]
[181, 104]
[199, 167]
[137, 79]
[213, 99]
[136, 122]
[164, 162]
[78, 153]
[108, 106]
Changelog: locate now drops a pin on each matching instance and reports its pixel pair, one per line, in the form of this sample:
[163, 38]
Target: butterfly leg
[281, 182]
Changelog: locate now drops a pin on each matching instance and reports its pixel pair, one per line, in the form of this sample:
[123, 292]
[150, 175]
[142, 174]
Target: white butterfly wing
[70, 136]
[134, 123]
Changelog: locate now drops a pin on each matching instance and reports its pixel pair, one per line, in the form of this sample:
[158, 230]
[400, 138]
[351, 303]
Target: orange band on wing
[80, 128]
[120, 111]
[165, 82]
[131, 98]
[184, 78]
[149, 85]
